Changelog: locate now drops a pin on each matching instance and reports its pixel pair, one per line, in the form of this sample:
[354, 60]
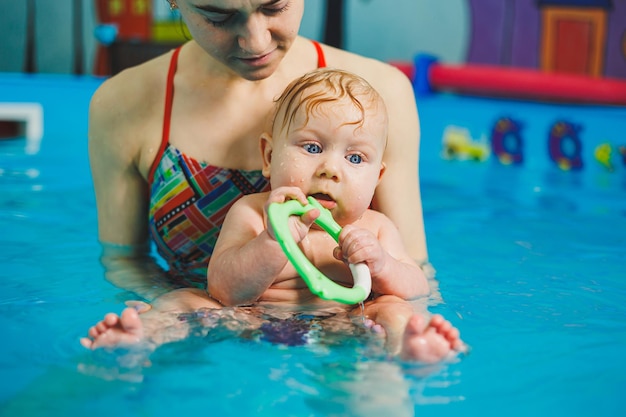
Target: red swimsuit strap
[167, 113]
[321, 60]
[169, 98]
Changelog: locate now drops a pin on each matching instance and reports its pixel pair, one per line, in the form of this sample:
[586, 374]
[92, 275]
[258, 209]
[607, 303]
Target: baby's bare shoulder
[375, 221]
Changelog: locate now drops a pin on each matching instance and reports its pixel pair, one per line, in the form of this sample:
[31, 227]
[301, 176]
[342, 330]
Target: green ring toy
[318, 283]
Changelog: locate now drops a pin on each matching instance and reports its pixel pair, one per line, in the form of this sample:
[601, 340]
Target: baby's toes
[100, 328]
[378, 329]
[460, 346]
[93, 332]
[452, 335]
[86, 342]
[111, 319]
[445, 327]
[369, 323]
[436, 320]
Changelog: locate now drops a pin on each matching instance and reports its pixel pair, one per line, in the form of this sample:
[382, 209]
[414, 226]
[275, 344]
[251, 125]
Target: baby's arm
[393, 271]
[247, 258]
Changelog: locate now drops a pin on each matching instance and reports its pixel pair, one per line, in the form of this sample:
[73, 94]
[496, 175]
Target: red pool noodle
[528, 84]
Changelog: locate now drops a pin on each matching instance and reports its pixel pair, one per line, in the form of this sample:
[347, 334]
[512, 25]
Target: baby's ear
[383, 167]
[266, 152]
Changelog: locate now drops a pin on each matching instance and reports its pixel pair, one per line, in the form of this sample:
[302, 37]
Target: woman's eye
[222, 19]
[276, 10]
[354, 158]
[218, 20]
[313, 148]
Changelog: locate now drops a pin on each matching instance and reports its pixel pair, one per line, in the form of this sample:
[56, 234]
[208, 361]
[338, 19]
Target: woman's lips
[257, 61]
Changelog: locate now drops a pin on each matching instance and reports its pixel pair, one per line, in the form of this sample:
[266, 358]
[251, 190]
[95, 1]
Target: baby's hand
[358, 245]
[299, 226]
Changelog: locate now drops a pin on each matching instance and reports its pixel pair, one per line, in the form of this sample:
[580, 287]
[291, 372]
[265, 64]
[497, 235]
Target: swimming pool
[531, 264]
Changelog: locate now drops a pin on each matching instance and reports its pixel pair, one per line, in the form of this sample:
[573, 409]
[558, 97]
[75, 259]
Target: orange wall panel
[573, 40]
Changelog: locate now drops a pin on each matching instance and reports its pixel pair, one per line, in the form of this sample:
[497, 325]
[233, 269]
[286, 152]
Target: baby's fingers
[309, 217]
[282, 194]
[338, 254]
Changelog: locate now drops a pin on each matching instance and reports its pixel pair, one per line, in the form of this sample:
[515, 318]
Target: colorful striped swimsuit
[189, 199]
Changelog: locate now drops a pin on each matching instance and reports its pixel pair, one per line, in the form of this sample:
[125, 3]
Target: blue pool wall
[526, 134]
[65, 100]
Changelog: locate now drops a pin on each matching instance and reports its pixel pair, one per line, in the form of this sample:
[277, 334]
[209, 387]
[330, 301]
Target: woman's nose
[255, 37]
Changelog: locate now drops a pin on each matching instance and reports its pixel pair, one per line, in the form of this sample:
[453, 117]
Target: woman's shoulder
[381, 75]
[388, 80]
[139, 84]
[125, 111]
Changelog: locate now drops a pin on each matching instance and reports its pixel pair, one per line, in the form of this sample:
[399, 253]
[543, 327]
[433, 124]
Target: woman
[175, 141]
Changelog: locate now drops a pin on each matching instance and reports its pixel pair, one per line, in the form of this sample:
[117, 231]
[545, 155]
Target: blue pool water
[531, 266]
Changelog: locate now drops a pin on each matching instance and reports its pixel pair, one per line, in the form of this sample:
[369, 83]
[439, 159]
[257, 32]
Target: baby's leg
[158, 324]
[389, 315]
[409, 335]
[430, 342]
[116, 331]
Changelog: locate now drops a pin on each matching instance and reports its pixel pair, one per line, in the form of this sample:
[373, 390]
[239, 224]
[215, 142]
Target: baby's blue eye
[313, 148]
[354, 158]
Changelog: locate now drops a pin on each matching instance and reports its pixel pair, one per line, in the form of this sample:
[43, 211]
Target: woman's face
[250, 37]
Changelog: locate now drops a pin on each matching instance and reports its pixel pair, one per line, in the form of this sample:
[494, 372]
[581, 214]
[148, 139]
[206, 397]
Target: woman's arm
[121, 192]
[398, 195]
[132, 268]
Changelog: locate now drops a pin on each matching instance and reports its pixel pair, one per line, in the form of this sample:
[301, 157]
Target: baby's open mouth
[325, 200]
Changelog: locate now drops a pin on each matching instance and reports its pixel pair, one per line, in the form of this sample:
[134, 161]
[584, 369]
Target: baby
[327, 141]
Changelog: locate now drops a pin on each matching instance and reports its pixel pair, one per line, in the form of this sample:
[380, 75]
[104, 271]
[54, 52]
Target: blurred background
[101, 37]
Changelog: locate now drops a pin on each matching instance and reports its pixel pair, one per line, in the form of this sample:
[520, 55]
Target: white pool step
[31, 116]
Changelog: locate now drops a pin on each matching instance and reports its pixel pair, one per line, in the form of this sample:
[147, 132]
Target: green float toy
[318, 283]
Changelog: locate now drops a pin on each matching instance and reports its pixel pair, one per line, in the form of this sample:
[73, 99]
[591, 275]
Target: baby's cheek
[296, 180]
[347, 215]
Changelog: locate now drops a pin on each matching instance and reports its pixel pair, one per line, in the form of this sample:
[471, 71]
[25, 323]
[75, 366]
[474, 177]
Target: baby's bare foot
[432, 342]
[373, 326]
[115, 331]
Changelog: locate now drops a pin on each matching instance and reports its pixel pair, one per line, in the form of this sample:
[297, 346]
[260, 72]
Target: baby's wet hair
[324, 86]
